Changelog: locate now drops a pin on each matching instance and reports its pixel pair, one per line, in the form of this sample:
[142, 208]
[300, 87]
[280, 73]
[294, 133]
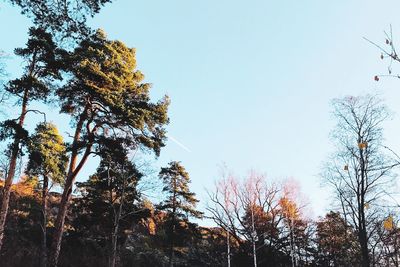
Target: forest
[50, 217]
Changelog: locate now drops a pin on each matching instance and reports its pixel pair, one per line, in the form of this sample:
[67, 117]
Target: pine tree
[42, 69]
[65, 19]
[105, 96]
[110, 200]
[47, 160]
[180, 202]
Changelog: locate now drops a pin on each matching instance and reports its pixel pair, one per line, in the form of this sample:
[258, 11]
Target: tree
[290, 214]
[23, 240]
[48, 160]
[387, 241]
[180, 202]
[336, 241]
[110, 200]
[64, 18]
[388, 51]
[248, 210]
[105, 96]
[41, 71]
[295, 230]
[360, 170]
[221, 210]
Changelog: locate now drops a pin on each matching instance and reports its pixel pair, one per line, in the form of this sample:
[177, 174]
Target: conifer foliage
[47, 160]
[180, 202]
[41, 70]
[110, 200]
[108, 219]
[106, 96]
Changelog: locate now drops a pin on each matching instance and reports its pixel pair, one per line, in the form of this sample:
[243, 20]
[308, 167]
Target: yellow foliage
[388, 223]
[26, 186]
[289, 208]
[151, 226]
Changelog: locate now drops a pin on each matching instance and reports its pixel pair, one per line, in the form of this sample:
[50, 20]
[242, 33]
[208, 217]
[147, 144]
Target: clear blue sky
[250, 81]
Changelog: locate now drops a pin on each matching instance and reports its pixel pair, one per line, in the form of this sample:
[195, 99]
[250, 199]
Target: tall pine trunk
[172, 253]
[73, 171]
[15, 150]
[113, 254]
[114, 242]
[44, 222]
[114, 231]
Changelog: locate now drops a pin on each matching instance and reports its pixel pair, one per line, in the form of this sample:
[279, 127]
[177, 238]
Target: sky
[250, 82]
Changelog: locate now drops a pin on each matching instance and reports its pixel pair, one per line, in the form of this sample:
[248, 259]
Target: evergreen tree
[110, 200]
[41, 70]
[106, 96]
[47, 160]
[180, 202]
[67, 19]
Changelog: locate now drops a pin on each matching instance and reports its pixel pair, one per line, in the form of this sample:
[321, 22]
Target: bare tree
[360, 171]
[238, 207]
[388, 51]
[385, 241]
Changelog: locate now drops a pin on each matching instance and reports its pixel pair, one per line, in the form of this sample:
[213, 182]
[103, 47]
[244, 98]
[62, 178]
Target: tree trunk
[254, 254]
[114, 239]
[362, 223]
[114, 233]
[364, 246]
[11, 170]
[364, 249]
[292, 242]
[113, 256]
[44, 222]
[254, 235]
[62, 213]
[73, 171]
[228, 248]
[171, 252]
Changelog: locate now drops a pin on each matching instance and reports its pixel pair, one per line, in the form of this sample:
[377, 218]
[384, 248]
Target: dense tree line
[111, 224]
[49, 219]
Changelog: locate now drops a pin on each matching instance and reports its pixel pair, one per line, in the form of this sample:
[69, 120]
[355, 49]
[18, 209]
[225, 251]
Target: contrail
[178, 143]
